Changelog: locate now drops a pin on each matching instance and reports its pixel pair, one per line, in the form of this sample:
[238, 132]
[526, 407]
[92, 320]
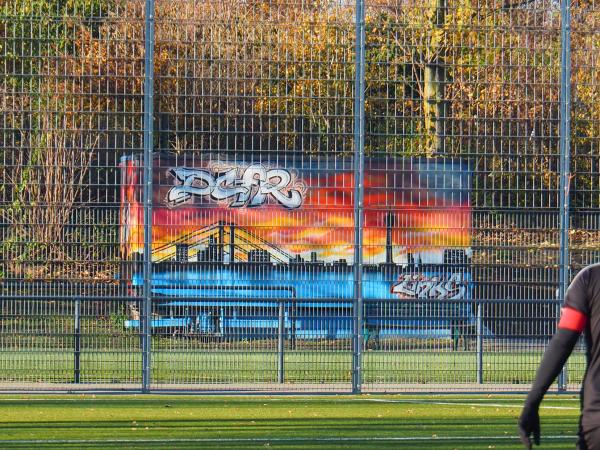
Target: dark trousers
[589, 440]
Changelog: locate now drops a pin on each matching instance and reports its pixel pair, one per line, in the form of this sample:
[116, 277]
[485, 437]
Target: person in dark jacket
[581, 313]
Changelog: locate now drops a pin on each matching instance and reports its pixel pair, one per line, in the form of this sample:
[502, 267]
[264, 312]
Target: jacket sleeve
[560, 347]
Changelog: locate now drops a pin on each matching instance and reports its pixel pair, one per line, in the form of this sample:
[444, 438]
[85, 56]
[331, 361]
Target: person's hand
[529, 423]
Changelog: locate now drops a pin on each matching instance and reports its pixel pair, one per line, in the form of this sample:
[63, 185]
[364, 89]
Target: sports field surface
[261, 367]
[278, 422]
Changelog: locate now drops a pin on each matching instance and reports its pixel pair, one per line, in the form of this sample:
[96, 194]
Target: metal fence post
[77, 342]
[280, 343]
[479, 344]
[148, 148]
[565, 159]
[359, 157]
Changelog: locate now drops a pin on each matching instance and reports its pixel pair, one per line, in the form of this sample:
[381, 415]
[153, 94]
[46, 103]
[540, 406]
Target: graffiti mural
[247, 229]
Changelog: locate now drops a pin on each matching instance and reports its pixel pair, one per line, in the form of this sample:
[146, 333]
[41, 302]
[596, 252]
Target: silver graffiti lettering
[225, 186]
[191, 183]
[251, 186]
[415, 286]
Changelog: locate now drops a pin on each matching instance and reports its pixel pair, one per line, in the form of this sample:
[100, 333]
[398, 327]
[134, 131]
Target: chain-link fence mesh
[250, 231]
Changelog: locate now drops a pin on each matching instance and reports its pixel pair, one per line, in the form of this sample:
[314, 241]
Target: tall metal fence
[324, 196]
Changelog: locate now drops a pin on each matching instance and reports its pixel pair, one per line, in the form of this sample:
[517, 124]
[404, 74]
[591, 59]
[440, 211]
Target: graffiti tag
[239, 187]
[415, 286]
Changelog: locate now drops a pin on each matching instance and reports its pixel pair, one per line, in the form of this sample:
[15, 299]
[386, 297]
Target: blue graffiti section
[276, 283]
[407, 302]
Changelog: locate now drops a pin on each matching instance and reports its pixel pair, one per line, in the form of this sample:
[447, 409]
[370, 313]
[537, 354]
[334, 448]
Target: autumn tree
[49, 145]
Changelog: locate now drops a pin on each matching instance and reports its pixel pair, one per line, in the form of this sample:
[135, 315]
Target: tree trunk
[434, 79]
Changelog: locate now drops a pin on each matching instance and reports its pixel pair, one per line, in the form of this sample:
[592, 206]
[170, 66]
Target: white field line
[436, 402]
[266, 439]
[459, 401]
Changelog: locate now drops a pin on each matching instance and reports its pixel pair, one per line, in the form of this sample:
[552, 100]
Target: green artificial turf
[247, 366]
[259, 422]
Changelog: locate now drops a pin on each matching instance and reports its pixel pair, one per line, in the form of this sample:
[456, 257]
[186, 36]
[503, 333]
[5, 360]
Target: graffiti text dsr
[251, 186]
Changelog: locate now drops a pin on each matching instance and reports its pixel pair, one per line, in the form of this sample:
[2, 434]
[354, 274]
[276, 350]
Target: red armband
[573, 320]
